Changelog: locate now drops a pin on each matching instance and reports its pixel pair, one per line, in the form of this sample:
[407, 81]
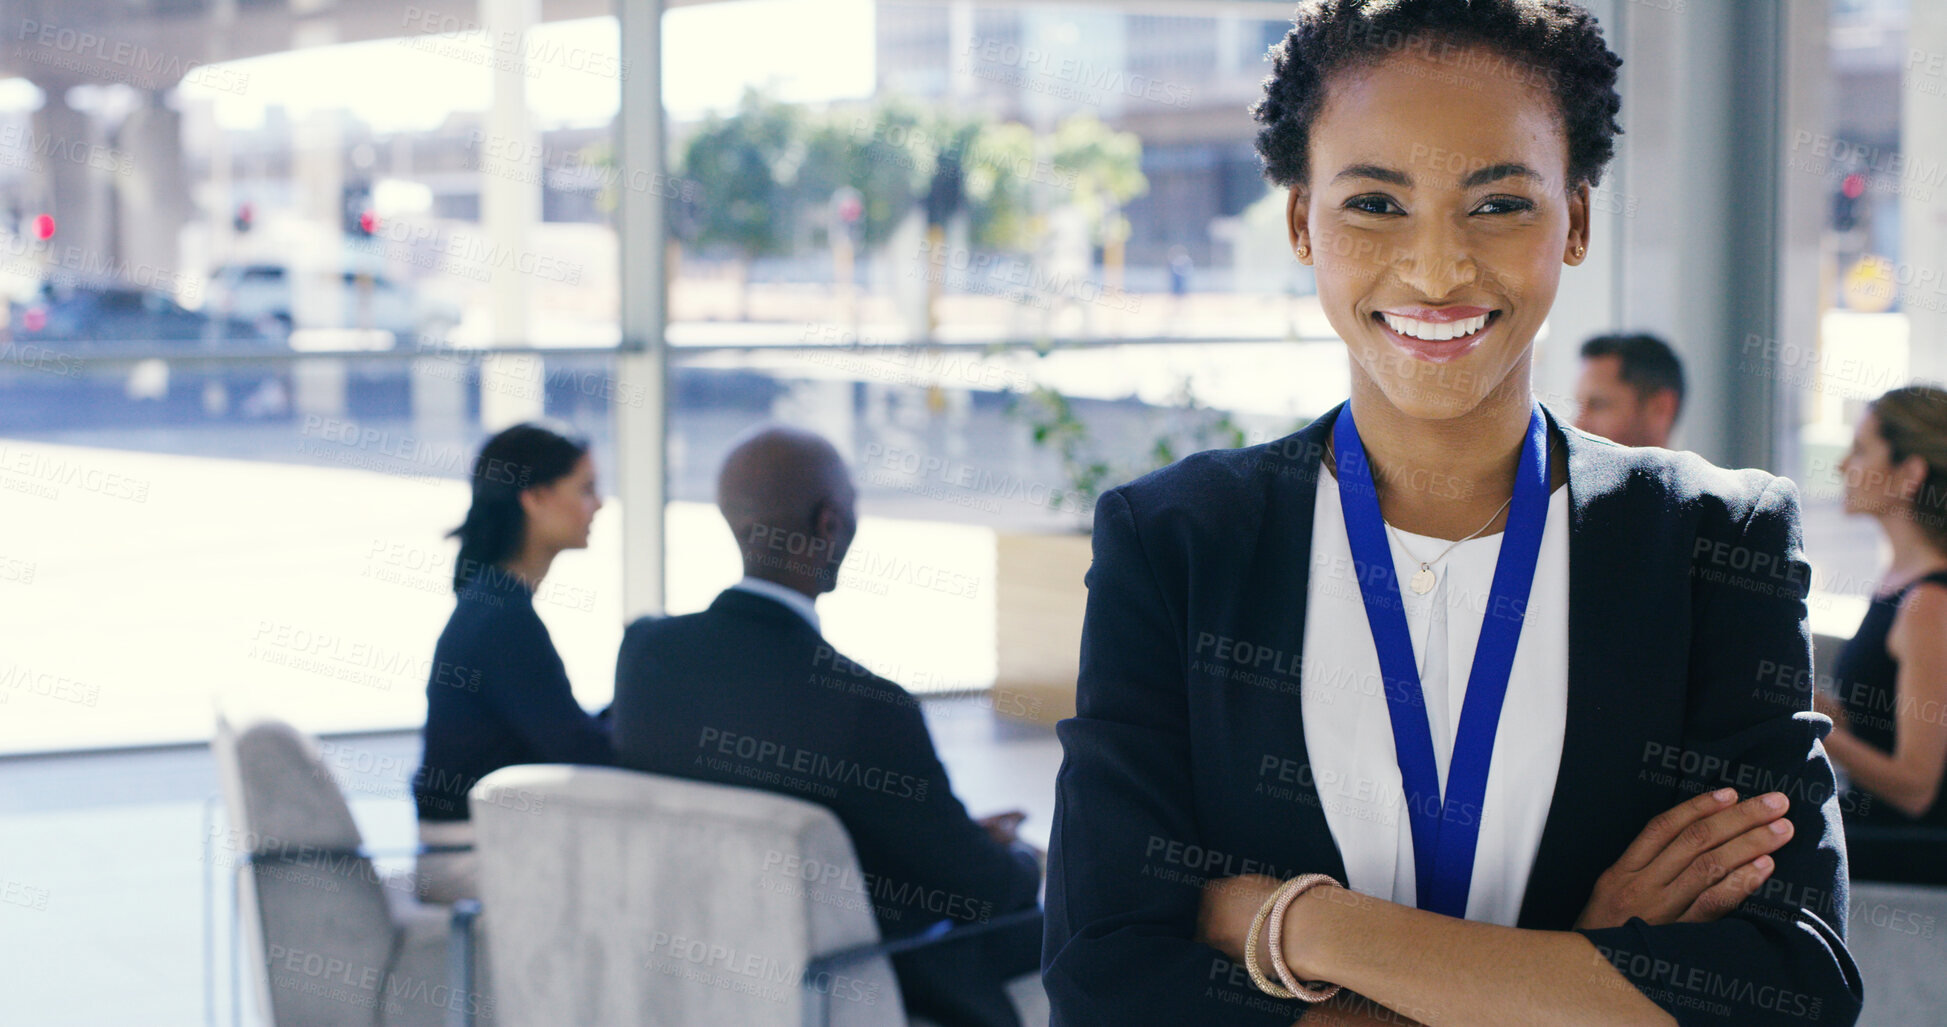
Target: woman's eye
[1505, 205]
[1373, 205]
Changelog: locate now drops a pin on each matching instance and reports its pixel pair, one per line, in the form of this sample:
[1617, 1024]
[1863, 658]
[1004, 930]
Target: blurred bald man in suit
[695, 695]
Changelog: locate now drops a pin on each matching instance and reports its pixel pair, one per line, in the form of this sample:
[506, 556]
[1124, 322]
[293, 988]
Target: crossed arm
[1692, 864]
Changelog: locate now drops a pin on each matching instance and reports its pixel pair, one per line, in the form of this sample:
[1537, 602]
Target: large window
[258, 315]
[1882, 303]
[261, 313]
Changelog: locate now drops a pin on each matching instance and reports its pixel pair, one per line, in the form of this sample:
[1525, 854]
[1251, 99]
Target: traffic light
[44, 227]
[245, 217]
[1845, 205]
[360, 219]
[946, 193]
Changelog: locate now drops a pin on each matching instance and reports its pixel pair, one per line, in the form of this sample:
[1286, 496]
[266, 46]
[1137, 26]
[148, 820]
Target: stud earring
[1303, 252]
[1579, 250]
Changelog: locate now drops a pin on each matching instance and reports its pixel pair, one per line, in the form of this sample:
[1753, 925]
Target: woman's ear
[1912, 476]
[1578, 226]
[1297, 215]
[531, 499]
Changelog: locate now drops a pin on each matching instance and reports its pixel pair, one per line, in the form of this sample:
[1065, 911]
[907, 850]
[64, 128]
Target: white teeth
[1433, 331]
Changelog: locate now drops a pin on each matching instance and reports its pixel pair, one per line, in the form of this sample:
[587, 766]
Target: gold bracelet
[1313, 991]
[1264, 984]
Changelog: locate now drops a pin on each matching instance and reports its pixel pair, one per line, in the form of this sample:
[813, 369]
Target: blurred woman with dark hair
[497, 694]
[1890, 711]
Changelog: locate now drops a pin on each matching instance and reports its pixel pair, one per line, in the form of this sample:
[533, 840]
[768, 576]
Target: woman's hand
[1003, 828]
[1693, 863]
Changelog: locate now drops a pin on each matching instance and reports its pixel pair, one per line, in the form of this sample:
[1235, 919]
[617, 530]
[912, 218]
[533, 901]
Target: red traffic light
[44, 227]
[368, 222]
[1854, 186]
[847, 207]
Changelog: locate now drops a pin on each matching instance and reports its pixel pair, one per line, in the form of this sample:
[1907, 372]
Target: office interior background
[273, 269]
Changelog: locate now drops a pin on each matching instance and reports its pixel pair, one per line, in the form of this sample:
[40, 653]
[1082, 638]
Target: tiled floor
[102, 879]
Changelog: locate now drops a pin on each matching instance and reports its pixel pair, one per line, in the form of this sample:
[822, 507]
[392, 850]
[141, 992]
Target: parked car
[262, 293]
[67, 321]
[111, 315]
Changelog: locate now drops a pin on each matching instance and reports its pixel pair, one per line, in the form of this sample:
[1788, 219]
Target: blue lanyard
[1445, 830]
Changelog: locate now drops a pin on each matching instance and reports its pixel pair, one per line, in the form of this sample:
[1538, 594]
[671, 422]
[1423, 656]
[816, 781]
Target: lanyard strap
[1446, 830]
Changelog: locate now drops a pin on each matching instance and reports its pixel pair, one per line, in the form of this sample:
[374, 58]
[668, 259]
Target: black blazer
[497, 696]
[748, 693]
[1687, 643]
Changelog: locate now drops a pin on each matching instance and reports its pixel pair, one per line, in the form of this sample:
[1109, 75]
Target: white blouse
[1348, 730]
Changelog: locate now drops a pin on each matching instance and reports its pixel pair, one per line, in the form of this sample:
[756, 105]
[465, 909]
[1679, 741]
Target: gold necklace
[1425, 579]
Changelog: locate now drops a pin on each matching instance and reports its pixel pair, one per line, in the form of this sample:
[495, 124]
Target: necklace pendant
[1422, 582]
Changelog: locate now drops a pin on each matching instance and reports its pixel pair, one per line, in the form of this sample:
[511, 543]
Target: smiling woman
[1462, 813]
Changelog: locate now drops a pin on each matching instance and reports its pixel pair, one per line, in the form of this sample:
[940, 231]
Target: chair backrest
[619, 897]
[1897, 933]
[319, 929]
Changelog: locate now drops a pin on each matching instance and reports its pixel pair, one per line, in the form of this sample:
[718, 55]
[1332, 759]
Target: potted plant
[1039, 593]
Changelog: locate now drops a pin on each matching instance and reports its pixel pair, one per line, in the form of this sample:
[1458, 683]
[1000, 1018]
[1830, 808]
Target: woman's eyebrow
[1374, 171]
[1480, 176]
[1496, 172]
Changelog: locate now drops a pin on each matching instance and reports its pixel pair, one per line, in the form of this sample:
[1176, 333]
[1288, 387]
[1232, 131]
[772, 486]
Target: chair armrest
[460, 961]
[361, 852]
[421, 850]
[818, 1002]
[939, 933]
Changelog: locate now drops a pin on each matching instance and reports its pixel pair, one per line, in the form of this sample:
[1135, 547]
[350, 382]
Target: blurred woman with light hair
[1890, 706]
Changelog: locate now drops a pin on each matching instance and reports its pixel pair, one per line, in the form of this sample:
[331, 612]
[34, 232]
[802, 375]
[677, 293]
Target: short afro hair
[1552, 41]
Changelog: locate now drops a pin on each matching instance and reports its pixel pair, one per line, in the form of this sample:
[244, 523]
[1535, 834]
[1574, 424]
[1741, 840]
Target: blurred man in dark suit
[749, 693]
[1631, 389]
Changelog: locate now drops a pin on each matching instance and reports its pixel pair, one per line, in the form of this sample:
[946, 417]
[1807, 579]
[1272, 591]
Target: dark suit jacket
[1187, 760]
[497, 696]
[747, 693]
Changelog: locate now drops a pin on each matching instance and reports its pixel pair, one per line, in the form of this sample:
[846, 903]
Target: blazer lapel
[1284, 562]
[1605, 730]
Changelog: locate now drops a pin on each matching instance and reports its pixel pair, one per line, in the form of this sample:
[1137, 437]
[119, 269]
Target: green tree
[998, 171]
[1107, 170]
[747, 165]
[876, 154]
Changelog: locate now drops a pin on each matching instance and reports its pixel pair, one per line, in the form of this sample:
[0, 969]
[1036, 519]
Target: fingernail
[1724, 794]
[1780, 826]
[1774, 801]
[1762, 862]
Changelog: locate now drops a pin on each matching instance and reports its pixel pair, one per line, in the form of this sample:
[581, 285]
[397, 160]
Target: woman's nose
[1436, 264]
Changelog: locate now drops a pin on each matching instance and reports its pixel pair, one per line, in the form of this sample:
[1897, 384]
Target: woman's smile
[1437, 335]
